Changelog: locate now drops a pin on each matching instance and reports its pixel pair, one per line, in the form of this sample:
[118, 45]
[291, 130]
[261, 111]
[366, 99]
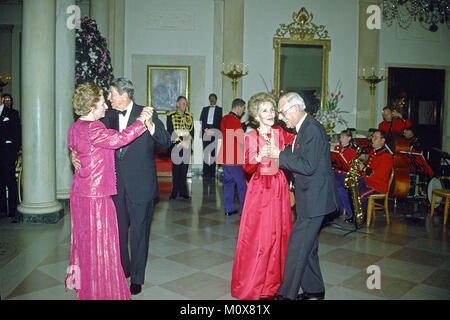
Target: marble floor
[192, 247]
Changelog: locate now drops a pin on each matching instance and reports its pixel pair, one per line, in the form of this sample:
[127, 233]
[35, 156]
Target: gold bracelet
[142, 119]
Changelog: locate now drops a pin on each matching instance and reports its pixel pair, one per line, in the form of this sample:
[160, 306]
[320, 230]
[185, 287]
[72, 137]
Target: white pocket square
[8, 141]
[5, 119]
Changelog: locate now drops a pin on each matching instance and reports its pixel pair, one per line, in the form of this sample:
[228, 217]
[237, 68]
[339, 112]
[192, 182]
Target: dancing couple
[274, 258]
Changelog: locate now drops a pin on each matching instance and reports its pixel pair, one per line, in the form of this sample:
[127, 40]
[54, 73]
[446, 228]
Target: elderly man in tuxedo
[10, 133]
[137, 185]
[316, 195]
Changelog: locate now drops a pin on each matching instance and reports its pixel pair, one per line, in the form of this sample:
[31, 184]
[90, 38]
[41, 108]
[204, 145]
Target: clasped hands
[268, 151]
[146, 117]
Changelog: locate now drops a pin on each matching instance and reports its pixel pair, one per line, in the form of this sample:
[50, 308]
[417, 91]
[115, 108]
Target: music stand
[338, 161]
[417, 166]
[364, 144]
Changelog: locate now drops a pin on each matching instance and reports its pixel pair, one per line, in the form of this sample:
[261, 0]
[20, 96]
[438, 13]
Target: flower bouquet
[331, 115]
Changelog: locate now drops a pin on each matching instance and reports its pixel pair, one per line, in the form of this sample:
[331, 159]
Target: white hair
[293, 99]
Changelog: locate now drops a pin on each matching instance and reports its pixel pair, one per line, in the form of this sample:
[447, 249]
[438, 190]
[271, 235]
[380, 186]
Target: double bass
[400, 184]
[396, 142]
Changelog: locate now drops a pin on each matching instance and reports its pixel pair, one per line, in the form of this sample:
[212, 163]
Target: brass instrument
[351, 182]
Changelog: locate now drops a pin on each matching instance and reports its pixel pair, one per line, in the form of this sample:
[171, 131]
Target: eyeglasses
[283, 113]
[6, 99]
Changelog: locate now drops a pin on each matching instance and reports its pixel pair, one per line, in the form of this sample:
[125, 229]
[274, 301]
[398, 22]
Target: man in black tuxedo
[316, 195]
[137, 184]
[210, 117]
[10, 143]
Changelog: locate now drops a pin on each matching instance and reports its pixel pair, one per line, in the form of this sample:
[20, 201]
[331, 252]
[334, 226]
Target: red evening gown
[266, 222]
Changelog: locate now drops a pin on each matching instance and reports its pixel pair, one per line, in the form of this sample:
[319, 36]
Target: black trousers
[8, 179]
[209, 169]
[301, 267]
[134, 220]
[179, 176]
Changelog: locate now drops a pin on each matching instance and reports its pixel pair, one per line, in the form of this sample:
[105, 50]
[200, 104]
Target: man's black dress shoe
[135, 288]
[173, 196]
[186, 197]
[311, 296]
[231, 213]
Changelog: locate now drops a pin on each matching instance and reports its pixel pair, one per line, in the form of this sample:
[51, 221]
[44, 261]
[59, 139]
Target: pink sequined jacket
[95, 147]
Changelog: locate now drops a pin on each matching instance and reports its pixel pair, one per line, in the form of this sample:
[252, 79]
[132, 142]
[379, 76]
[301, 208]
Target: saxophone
[351, 182]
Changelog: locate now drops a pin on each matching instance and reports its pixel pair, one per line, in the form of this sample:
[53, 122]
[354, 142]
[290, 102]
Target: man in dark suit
[210, 117]
[10, 142]
[137, 184]
[315, 194]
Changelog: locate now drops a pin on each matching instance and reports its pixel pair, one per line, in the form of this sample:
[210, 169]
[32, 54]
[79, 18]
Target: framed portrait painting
[165, 84]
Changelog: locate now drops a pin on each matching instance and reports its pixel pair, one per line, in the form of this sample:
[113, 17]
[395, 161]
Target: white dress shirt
[123, 119]
[211, 115]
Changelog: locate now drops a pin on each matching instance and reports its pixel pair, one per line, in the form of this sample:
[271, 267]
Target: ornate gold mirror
[301, 59]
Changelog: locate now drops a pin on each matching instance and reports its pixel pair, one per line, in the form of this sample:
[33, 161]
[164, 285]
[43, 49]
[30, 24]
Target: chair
[372, 206]
[444, 193]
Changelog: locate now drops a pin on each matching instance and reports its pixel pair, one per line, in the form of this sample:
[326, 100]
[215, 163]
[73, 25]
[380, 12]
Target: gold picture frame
[165, 84]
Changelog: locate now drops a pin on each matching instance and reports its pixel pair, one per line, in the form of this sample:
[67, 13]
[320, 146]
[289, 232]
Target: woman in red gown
[266, 217]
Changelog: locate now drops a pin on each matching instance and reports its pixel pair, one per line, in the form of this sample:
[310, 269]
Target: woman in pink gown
[266, 217]
[95, 270]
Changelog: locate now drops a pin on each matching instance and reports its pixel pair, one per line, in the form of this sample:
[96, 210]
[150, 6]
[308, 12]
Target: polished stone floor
[192, 246]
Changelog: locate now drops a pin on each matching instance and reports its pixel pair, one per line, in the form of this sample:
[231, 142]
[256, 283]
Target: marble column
[64, 87]
[218, 50]
[233, 47]
[39, 204]
[368, 47]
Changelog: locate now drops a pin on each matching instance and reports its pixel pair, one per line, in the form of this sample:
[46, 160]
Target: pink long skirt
[95, 270]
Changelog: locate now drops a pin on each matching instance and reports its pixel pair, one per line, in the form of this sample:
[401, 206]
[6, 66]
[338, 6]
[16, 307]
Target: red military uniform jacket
[232, 149]
[348, 153]
[397, 126]
[378, 169]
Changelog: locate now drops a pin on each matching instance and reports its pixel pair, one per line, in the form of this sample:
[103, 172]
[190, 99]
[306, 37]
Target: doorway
[419, 94]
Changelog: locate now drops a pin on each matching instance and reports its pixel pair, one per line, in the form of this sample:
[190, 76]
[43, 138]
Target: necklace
[270, 140]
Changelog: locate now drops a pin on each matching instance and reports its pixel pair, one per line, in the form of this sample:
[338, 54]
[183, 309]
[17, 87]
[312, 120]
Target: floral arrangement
[331, 115]
[92, 58]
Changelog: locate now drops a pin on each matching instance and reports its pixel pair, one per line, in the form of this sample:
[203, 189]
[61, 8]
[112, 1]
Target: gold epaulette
[171, 113]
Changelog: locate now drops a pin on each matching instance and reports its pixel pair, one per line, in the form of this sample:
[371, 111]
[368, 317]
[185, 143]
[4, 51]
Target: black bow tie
[124, 112]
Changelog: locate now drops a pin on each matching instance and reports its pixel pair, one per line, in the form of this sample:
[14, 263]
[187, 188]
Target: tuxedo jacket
[216, 121]
[310, 164]
[135, 163]
[10, 132]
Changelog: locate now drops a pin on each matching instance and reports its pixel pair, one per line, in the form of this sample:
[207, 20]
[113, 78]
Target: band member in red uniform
[393, 122]
[347, 150]
[414, 143]
[376, 171]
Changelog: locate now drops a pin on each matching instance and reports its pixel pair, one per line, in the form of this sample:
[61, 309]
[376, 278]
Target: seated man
[393, 122]
[347, 149]
[376, 171]
[414, 143]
